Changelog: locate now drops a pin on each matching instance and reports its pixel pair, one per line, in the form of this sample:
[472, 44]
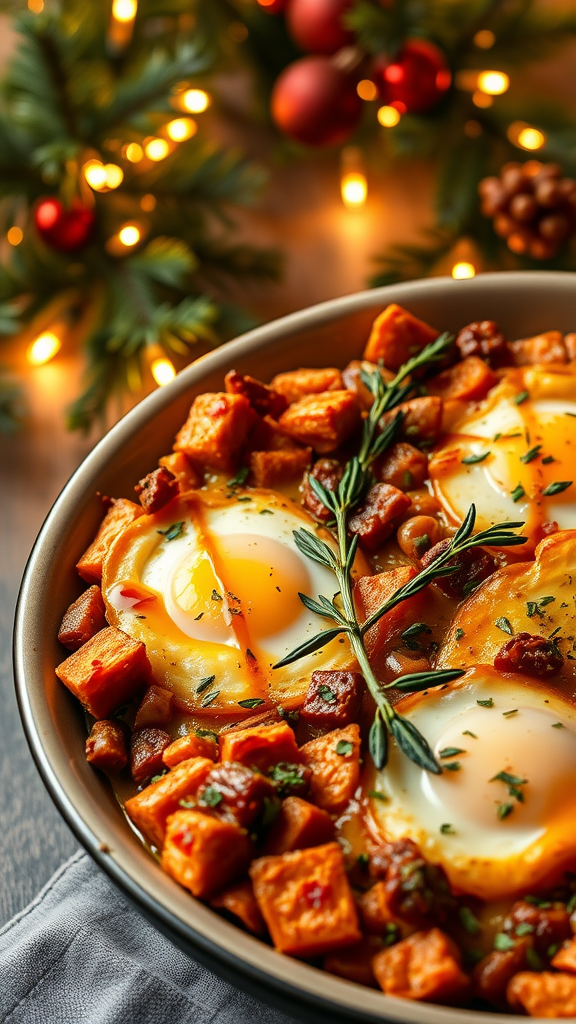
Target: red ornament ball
[316, 26]
[416, 80]
[272, 6]
[314, 102]
[62, 229]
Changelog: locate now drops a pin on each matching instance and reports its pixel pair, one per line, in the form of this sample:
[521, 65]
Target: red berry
[316, 26]
[62, 229]
[314, 102]
[417, 78]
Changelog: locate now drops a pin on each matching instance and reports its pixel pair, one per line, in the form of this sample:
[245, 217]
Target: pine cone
[533, 206]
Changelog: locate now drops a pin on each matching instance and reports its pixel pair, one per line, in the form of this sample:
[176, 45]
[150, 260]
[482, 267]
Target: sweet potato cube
[264, 400]
[120, 514]
[180, 466]
[192, 745]
[266, 436]
[375, 910]
[335, 763]
[155, 707]
[272, 469]
[570, 345]
[424, 966]
[106, 746]
[471, 379]
[299, 825]
[150, 809]
[295, 384]
[396, 336]
[239, 900]
[85, 617]
[378, 515]
[491, 976]
[332, 699]
[322, 421]
[216, 428]
[204, 853]
[422, 419]
[403, 466]
[156, 489]
[106, 672]
[543, 995]
[261, 747]
[306, 900]
[371, 592]
[146, 749]
[565, 958]
[548, 347]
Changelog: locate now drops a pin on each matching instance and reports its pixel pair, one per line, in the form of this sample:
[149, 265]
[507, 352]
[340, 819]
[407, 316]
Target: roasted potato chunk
[216, 429]
[323, 421]
[295, 384]
[396, 336]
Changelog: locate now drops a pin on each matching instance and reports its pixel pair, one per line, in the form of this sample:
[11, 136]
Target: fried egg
[211, 585]
[536, 597]
[512, 448]
[495, 836]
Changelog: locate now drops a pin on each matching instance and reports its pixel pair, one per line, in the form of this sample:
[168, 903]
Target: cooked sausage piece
[332, 699]
[491, 976]
[468, 380]
[106, 746]
[156, 489]
[417, 891]
[484, 338]
[236, 792]
[155, 708]
[85, 617]
[475, 565]
[403, 466]
[264, 400]
[534, 655]
[146, 751]
[375, 519]
[329, 472]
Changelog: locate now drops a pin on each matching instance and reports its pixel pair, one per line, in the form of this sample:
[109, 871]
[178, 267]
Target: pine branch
[11, 403]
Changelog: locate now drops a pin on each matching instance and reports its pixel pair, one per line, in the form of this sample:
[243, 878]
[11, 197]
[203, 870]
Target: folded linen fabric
[81, 954]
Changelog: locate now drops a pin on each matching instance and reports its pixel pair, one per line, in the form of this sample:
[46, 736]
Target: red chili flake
[315, 893]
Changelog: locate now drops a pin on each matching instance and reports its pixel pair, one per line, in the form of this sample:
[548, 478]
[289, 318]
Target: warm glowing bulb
[354, 190]
[43, 348]
[14, 235]
[114, 175]
[388, 116]
[181, 128]
[494, 83]
[531, 138]
[163, 371]
[124, 10]
[129, 235]
[484, 39]
[133, 152]
[157, 149]
[195, 100]
[482, 99]
[366, 89]
[36, 6]
[148, 202]
[462, 270]
[95, 174]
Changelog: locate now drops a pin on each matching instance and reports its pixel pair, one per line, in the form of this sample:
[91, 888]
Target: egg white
[453, 817]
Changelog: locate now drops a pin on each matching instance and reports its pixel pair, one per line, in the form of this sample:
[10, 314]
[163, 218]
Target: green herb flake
[556, 488]
[547, 460]
[468, 733]
[488, 703]
[503, 810]
[557, 725]
[410, 635]
[205, 683]
[447, 829]
[459, 633]
[503, 942]
[207, 733]
[172, 532]
[546, 600]
[344, 748]
[508, 714]
[451, 752]
[518, 399]
[531, 454]
[571, 905]
[216, 596]
[211, 797]
[251, 702]
[391, 934]
[362, 860]
[469, 921]
[533, 960]
[552, 950]
[376, 794]
[156, 778]
[452, 766]
[518, 493]
[510, 780]
[286, 775]
[421, 543]
[187, 802]
[504, 624]
[239, 479]
[266, 512]
[326, 694]
[524, 928]
[210, 698]
[471, 460]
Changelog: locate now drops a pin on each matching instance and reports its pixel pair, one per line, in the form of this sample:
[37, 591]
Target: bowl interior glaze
[329, 334]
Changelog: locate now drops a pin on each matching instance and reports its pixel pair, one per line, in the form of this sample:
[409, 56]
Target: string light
[353, 184]
[129, 235]
[472, 129]
[157, 149]
[133, 152]
[494, 83]
[484, 39]
[15, 235]
[43, 349]
[181, 128]
[124, 10]
[531, 138]
[36, 6]
[482, 99]
[388, 116]
[102, 177]
[366, 89]
[463, 270]
[195, 100]
[163, 371]
[148, 202]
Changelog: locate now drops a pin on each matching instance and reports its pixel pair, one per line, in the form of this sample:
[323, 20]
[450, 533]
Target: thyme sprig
[341, 503]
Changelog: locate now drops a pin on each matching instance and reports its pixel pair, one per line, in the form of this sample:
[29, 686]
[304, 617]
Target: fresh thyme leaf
[557, 725]
[471, 460]
[469, 921]
[546, 600]
[311, 645]
[547, 460]
[375, 794]
[451, 752]
[503, 942]
[211, 797]
[205, 683]
[510, 780]
[415, 682]
[327, 695]
[503, 810]
[411, 634]
[452, 766]
[468, 733]
[521, 397]
[378, 741]
[210, 698]
[251, 702]
[447, 829]
[556, 488]
[266, 512]
[314, 548]
[239, 479]
[413, 744]
[518, 493]
[507, 714]
[344, 748]
[531, 454]
[172, 532]
[504, 624]
[216, 596]
[488, 703]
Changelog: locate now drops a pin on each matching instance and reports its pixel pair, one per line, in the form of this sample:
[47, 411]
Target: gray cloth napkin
[80, 954]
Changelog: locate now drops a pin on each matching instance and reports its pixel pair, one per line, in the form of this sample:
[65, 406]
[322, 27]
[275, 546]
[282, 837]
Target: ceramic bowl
[328, 334]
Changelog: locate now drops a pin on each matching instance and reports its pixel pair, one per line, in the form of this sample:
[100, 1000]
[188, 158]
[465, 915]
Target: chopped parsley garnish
[326, 694]
[287, 775]
[531, 454]
[239, 479]
[266, 512]
[469, 921]
[503, 942]
[391, 935]
[410, 635]
[504, 624]
[468, 733]
[447, 829]
[451, 752]
[557, 725]
[156, 778]
[362, 860]
[503, 810]
[344, 748]
[251, 702]
[459, 633]
[210, 698]
[172, 532]
[452, 766]
[547, 460]
[470, 460]
[488, 703]
[211, 797]
[207, 733]
[521, 397]
[524, 928]
[375, 794]
[556, 488]
[205, 683]
[421, 544]
[518, 493]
